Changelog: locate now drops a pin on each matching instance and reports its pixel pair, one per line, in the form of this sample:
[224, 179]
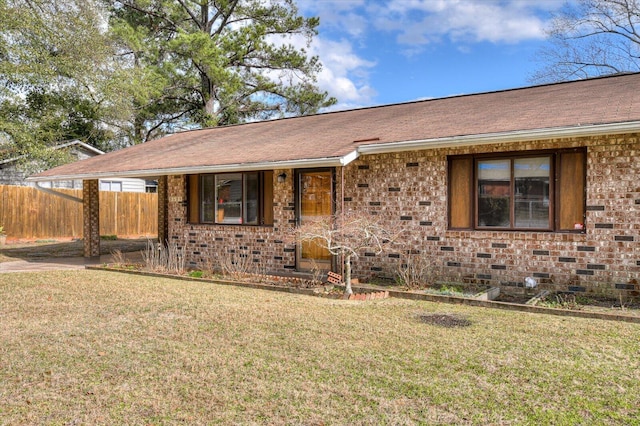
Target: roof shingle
[606, 100]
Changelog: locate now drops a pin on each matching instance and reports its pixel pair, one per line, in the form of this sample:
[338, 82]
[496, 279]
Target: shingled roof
[605, 105]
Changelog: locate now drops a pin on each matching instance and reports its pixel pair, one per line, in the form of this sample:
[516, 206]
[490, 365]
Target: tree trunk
[139, 131]
[347, 276]
[208, 99]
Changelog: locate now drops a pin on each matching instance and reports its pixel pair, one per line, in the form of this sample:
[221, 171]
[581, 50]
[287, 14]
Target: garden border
[392, 293]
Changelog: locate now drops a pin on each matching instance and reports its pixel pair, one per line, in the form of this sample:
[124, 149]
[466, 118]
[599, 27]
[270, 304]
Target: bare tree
[347, 236]
[590, 38]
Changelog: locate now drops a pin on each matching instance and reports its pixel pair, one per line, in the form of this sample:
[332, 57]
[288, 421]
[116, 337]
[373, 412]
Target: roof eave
[82, 144]
[388, 147]
[226, 168]
[503, 137]
[60, 146]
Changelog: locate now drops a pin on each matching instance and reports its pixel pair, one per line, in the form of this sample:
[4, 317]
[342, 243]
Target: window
[151, 186]
[533, 191]
[110, 185]
[231, 198]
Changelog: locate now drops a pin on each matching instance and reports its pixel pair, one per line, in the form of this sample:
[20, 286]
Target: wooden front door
[315, 195]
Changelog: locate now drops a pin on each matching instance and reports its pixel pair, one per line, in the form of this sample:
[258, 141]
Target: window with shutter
[518, 191]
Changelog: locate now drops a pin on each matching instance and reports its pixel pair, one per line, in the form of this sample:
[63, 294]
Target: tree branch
[193, 17]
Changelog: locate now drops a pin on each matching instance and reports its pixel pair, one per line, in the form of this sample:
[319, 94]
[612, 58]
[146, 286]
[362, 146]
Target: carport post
[163, 214]
[91, 217]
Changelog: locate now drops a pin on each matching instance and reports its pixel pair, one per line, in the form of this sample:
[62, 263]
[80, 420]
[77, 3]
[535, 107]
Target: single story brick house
[540, 182]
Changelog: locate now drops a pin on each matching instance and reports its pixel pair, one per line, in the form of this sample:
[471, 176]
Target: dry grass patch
[94, 347]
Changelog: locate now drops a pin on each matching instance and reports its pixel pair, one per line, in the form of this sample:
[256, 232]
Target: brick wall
[606, 259]
[265, 246]
[163, 219]
[409, 189]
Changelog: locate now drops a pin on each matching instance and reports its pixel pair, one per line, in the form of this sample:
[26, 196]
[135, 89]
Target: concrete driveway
[58, 264]
[52, 264]
[61, 256]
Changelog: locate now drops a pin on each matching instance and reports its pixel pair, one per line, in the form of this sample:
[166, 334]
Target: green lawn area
[95, 347]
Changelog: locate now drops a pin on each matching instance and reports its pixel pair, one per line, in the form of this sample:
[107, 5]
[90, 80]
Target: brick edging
[394, 293]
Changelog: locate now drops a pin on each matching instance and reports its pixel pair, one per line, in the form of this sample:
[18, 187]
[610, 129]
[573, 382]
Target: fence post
[91, 217]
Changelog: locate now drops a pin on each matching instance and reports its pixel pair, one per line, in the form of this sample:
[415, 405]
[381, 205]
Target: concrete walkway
[60, 263]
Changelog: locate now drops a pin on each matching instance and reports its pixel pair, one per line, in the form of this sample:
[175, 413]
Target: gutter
[375, 148]
[503, 137]
[58, 194]
[288, 164]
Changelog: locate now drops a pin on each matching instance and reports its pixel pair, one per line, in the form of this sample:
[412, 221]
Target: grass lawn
[94, 347]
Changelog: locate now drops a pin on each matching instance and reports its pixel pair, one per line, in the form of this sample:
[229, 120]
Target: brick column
[163, 213]
[91, 217]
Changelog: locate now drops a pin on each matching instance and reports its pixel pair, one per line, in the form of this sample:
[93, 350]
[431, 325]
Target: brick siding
[409, 189]
[265, 245]
[605, 258]
[163, 220]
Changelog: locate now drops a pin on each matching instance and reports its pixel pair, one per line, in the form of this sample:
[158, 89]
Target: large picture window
[231, 198]
[540, 191]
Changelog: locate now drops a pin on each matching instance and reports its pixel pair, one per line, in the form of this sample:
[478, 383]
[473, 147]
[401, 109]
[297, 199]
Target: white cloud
[344, 25]
[349, 30]
[344, 74]
[346, 16]
[419, 22]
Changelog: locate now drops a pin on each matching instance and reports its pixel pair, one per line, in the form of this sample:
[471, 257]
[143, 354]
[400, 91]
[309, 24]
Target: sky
[378, 52]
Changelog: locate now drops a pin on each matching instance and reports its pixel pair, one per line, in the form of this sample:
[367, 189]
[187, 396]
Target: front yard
[96, 347]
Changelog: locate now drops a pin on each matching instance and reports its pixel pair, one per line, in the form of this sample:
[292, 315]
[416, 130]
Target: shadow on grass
[51, 250]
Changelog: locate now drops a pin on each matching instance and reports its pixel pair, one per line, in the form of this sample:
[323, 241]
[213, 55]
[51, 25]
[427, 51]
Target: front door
[315, 195]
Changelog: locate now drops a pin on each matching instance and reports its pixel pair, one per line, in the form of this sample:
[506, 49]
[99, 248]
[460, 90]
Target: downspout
[58, 194]
[343, 163]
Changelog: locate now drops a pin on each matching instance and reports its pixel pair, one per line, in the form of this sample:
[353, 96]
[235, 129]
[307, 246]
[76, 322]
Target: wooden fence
[30, 214]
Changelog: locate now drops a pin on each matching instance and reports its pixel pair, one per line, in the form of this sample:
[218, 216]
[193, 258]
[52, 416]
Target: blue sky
[379, 52]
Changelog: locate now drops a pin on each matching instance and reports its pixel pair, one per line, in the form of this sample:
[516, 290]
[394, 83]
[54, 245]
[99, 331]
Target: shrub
[415, 271]
[235, 265]
[164, 258]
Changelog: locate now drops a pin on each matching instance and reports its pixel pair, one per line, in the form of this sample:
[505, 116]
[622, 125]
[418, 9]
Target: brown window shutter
[193, 191]
[571, 190]
[460, 193]
[267, 197]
